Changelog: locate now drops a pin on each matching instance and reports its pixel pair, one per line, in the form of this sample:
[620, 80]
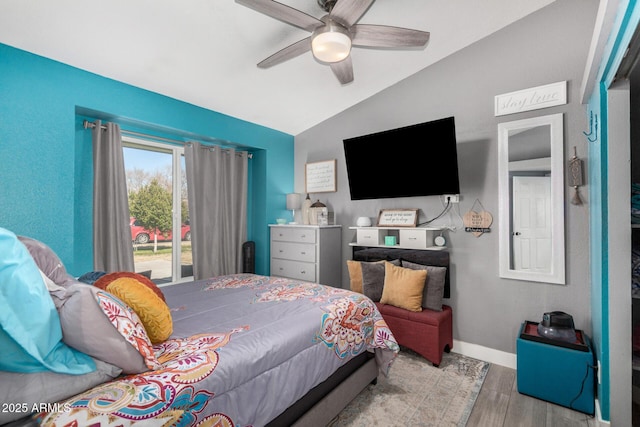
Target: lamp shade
[331, 42]
[293, 201]
[331, 46]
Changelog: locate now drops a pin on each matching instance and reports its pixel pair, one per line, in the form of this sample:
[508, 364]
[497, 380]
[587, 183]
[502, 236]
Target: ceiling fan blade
[385, 36]
[348, 12]
[343, 70]
[283, 13]
[289, 52]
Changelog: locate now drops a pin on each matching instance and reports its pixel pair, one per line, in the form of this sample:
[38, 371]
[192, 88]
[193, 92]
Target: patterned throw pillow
[100, 325]
[130, 327]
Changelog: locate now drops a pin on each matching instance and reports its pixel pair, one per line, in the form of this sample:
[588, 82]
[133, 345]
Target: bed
[243, 350]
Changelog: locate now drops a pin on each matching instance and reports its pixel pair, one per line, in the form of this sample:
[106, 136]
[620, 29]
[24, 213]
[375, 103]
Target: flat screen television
[416, 160]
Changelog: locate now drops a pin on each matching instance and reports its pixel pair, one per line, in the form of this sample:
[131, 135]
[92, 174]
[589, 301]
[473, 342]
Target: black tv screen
[416, 160]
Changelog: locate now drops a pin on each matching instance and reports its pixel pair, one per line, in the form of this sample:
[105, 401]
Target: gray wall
[548, 46]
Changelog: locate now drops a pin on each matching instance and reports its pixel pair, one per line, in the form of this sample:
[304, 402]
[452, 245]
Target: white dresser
[307, 252]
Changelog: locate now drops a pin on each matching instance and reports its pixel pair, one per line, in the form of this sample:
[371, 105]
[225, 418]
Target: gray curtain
[217, 193]
[113, 250]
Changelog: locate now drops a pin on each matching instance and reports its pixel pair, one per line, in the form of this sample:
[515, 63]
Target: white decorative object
[315, 211]
[306, 210]
[439, 240]
[363, 221]
[531, 99]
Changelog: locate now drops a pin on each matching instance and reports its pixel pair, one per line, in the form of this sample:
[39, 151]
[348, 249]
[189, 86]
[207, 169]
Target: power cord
[584, 380]
[444, 211]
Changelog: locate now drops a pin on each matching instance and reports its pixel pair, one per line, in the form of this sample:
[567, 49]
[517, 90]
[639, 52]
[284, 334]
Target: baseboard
[598, 414]
[485, 353]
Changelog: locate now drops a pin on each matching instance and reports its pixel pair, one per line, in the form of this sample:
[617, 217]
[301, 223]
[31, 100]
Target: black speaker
[249, 257]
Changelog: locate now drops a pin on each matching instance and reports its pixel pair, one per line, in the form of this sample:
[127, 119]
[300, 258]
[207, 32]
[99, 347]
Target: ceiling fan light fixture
[330, 44]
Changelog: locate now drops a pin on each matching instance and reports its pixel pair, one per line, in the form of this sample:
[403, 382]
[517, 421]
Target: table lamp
[293, 203]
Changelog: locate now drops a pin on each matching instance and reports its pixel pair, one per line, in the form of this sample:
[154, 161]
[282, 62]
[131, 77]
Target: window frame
[177, 154]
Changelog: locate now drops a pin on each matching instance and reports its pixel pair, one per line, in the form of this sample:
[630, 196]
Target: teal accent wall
[46, 178]
[625, 25]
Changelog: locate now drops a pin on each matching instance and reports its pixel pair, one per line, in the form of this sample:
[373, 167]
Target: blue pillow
[30, 332]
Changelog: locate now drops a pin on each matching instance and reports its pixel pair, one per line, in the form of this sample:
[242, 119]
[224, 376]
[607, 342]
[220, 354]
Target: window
[157, 192]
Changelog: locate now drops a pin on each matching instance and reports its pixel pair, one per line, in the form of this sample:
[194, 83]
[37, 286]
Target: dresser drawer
[291, 234]
[414, 239]
[366, 237]
[293, 269]
[293, 251]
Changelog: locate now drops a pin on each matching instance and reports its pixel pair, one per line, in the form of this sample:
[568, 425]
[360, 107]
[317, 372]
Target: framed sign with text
[320, 177]
[398, 218]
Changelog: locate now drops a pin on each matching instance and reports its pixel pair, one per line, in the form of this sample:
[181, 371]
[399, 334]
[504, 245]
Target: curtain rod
[90, 125]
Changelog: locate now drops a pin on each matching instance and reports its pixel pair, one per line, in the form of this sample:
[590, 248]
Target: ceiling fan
[334, 34]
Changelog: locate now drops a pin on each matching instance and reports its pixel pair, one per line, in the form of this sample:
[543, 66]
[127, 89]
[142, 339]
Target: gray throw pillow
[88, 328]
[373, 278]
[434, 288]
[47, 261]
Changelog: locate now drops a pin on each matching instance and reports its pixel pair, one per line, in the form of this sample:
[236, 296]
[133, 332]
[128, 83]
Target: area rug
[418, 394]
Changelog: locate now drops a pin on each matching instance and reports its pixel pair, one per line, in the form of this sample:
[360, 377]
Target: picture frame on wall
[320, 177]
[398, 218]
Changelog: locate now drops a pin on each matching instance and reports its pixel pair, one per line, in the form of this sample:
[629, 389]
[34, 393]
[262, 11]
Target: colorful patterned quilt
[244, 348]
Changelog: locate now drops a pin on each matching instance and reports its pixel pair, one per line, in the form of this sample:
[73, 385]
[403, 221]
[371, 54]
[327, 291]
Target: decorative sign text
[398, 218]
[320, 177]
[531, 99]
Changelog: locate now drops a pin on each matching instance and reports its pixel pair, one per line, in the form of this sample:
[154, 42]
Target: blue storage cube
[555, 373]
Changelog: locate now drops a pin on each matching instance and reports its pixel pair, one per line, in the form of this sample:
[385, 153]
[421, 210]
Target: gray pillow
[434, 288]
[86, 327]
[47, 261]
[27, 390]
[373, 278]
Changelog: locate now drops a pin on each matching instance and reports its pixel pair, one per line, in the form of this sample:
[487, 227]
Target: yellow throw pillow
[355, 275]
[152, 311]
[403, 287]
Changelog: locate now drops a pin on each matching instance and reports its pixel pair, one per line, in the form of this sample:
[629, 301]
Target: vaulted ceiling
[205, 52]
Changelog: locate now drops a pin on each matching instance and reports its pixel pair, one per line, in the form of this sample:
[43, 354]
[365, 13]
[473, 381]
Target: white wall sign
[531, 99]
[398, 218]
[320, 177]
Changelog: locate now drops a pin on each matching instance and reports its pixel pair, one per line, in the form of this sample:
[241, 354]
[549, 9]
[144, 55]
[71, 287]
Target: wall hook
[593, 128]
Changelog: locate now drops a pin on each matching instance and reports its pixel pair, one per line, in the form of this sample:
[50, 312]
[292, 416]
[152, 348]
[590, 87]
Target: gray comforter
[244, 348]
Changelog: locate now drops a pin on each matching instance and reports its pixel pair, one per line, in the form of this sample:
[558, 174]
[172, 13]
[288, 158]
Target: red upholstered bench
[427, 332]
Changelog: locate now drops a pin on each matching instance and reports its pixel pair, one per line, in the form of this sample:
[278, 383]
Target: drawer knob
[281, 251]
[413, 238]
[303, 253]
[303, 272]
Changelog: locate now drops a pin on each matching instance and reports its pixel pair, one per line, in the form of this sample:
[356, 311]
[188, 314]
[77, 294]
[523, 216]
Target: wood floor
[500, 404]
